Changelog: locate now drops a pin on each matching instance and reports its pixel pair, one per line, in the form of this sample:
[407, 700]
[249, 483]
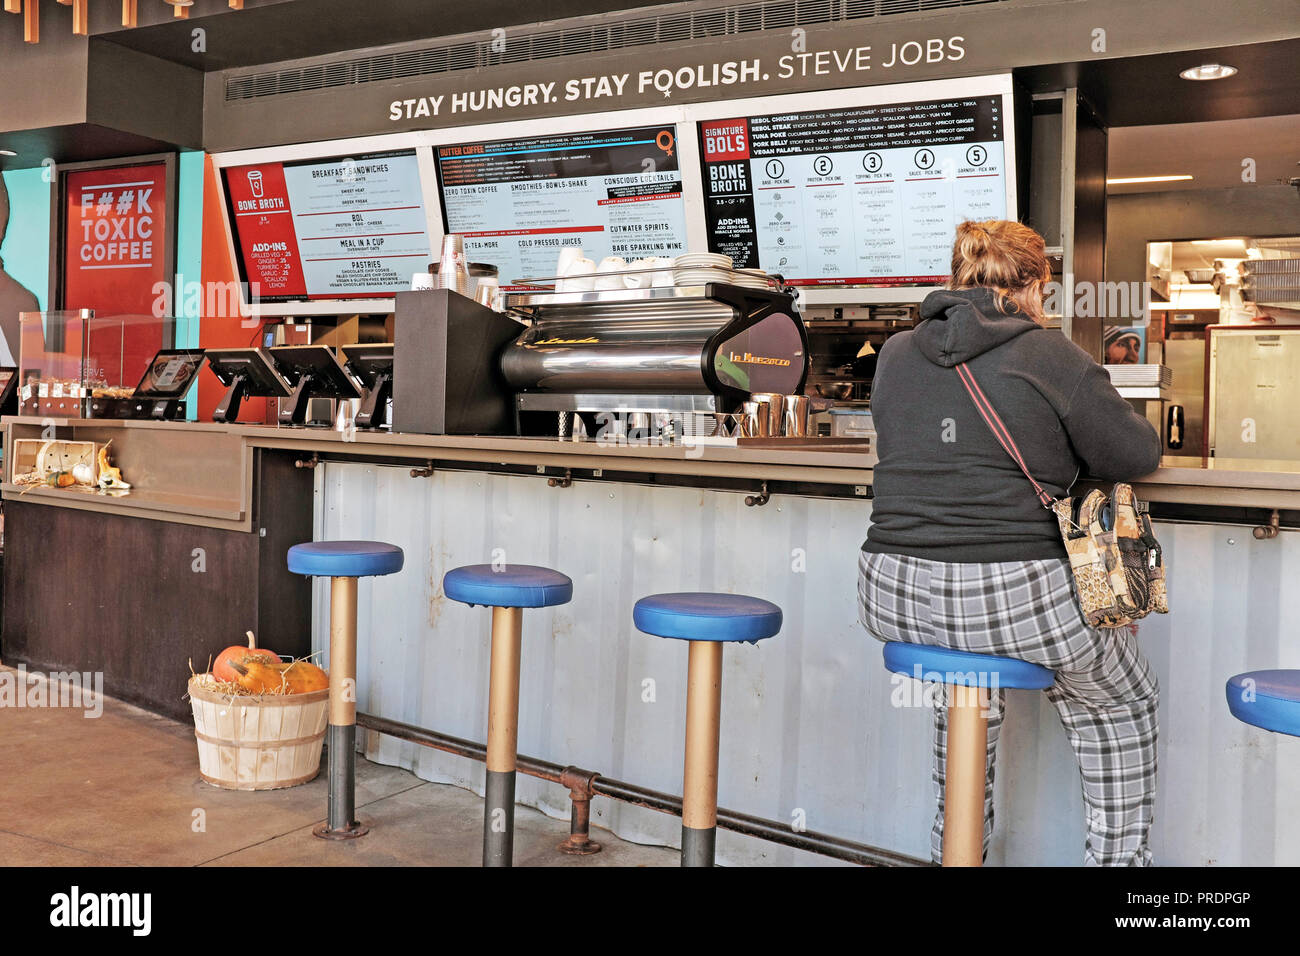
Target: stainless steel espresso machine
[666, 361]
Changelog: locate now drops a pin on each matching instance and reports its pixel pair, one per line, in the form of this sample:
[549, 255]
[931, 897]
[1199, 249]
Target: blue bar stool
[1267, 699]
[965, 674]
[343, 562]
[707, 621]
[507, 590]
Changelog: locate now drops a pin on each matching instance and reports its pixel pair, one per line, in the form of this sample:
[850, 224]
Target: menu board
[343, 228]
[517, 202]
[868, 195]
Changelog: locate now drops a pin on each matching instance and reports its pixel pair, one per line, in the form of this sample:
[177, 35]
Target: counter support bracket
[1270, 530]
[579, 842]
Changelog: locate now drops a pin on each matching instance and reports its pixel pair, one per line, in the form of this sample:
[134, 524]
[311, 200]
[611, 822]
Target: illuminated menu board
[858, 196]
[345, 228]
[518, 202]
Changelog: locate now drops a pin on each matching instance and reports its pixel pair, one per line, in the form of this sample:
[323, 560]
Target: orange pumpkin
[221, 667]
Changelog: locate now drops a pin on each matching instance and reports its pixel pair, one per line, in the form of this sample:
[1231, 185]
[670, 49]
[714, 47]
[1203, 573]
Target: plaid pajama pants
[1104, 693]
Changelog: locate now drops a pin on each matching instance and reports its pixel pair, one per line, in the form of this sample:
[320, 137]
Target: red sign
[725, 140]
[115, 246]
[259, 201]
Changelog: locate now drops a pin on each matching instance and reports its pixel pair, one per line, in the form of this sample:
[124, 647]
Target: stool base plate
[350, 832]
[580, 849]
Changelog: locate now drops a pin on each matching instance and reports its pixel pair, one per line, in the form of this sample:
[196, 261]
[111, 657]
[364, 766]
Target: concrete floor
[123, 789]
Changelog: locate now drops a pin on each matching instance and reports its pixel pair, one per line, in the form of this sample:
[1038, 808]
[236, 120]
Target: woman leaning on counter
[961, 554]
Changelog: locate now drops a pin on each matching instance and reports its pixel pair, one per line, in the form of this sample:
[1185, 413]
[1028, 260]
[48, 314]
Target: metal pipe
[579, 783]
[773, 831]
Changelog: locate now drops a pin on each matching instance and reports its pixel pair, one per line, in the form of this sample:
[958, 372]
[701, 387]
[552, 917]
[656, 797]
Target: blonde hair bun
[1007, 257]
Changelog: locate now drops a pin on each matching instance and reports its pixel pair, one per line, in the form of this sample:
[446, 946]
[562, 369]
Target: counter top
[825, 462]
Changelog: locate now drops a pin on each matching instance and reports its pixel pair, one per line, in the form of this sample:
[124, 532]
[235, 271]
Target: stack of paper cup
[452, 273]
[487, 293]
[645, 278]
[610, 273]
[577, 273]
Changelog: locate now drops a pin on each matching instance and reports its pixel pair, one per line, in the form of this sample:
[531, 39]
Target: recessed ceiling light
[1210, 71]
[1131, 180]
[7, 152]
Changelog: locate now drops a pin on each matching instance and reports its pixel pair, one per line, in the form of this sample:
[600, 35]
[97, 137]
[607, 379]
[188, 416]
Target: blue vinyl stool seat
[1267, 699]
[965, 674]
[515, 585]
[706, 616]
[708, 621]
[345, 559]
[507, 590]
[964, 668]
[343, 562]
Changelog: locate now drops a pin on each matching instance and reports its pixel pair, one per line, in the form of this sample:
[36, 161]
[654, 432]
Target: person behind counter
[961, 554]
[14, 298]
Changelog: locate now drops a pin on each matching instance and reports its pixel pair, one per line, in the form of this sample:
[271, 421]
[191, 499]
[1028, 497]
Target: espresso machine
[670, 361]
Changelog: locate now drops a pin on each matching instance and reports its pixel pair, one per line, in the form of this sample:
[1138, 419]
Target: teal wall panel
[26, 246]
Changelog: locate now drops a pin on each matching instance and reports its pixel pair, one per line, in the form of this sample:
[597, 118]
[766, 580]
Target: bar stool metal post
[965, 675]
[703, 734]
[706, 620]
[507, 589]
[503, 736]
[343, 562]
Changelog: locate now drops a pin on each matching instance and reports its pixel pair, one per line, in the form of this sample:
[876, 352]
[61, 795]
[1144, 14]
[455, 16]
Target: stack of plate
[750, 279]
[1140, 376]
[700, 268]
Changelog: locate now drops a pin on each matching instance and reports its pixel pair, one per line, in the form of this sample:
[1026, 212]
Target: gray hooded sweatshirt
[944, 488]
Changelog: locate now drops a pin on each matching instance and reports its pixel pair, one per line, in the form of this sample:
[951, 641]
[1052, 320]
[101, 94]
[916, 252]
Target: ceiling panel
[1212, 153]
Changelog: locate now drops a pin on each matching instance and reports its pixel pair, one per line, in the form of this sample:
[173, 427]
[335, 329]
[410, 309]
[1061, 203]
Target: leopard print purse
[1119, 571]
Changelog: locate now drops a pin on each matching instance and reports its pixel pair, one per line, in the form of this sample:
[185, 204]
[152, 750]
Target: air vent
[603, 37]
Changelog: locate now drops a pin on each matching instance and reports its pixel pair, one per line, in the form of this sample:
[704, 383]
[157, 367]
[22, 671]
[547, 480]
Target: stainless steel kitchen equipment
[1274, 284]
[670, 351]
[771, 412]
[1254, 392]
[1186, 360]
[852, 421]
[796, 416]
[1148, 388]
